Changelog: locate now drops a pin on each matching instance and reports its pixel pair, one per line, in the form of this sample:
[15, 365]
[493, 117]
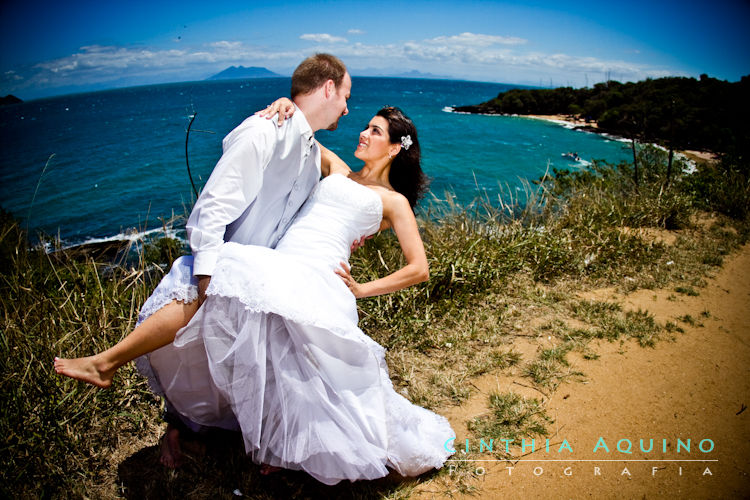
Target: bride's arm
[398, 213]
[330, 163]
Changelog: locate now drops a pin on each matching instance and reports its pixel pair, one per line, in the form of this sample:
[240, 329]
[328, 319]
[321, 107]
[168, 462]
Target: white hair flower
[406, 141]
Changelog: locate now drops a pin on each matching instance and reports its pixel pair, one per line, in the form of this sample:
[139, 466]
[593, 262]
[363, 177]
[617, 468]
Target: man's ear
[330, 87]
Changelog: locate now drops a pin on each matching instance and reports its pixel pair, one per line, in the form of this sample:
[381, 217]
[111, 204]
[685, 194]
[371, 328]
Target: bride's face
[374, 142]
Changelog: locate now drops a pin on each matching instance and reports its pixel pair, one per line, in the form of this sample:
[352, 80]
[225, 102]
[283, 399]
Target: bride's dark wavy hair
[406, 174]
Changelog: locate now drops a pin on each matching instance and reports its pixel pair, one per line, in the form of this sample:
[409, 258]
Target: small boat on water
[572, 156]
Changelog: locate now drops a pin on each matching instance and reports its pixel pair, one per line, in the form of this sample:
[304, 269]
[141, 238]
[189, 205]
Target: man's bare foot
[267, 470]
[195, 448]
[171, 453]
[86, 370]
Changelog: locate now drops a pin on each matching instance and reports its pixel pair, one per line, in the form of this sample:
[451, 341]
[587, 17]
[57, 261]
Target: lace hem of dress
[186, 294]
[318, 321]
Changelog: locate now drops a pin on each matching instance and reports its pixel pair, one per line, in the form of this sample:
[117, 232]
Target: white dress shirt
[263, 177]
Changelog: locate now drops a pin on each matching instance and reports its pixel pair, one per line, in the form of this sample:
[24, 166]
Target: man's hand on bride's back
[359, 243]
[203, 282]
[283, 107]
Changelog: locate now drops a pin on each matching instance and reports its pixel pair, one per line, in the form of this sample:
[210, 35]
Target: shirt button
[284, 220]
[296, 187]
[289, 203]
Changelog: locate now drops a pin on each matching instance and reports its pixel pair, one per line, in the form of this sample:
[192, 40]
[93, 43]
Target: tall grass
[56, 432]
[511, 417]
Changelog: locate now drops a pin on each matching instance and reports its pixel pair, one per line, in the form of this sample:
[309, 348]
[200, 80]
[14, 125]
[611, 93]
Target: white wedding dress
[275, 352]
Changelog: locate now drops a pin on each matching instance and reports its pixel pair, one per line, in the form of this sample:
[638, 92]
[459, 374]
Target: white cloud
[98, 64]
[322, 38]
[477, 40]
[355, 31]
[490, 57]
[103, 58]
[384, 53]
[12, 76]
[589, 65]
[224, 44]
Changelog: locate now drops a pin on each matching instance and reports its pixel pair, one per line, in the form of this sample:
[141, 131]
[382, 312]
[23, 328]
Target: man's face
[338, 104]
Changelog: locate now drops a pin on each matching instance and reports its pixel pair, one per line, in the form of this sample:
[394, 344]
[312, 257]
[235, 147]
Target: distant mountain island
[418, 74]
[240, 72]
[237, 72]
[9, 99]
[372, 72]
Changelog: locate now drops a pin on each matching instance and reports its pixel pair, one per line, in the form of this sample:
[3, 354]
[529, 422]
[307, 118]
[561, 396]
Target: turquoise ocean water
[115, 160]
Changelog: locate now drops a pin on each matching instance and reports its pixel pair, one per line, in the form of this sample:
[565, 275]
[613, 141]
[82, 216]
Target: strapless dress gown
[275, 352]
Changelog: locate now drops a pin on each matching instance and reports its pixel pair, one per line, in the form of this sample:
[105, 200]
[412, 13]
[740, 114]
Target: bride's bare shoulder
[394, 202]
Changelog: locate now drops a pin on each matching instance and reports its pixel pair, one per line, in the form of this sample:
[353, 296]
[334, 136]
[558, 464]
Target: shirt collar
[304, 127]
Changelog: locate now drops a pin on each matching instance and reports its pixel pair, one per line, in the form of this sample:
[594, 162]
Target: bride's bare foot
[171, 452]
[86, 370]
[267, 470]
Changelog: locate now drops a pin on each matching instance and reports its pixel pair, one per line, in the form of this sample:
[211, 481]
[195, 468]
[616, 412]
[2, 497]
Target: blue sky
[48, 48]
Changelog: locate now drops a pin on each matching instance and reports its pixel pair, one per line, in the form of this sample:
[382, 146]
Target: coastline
[573, 123]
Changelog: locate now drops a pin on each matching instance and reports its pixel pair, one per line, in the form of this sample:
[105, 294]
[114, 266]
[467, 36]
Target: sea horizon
[95, 88]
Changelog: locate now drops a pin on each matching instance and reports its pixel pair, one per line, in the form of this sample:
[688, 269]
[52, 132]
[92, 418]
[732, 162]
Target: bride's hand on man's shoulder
[283, 107]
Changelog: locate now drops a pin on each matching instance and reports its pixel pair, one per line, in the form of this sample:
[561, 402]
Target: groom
[266, 172]
[263, 177]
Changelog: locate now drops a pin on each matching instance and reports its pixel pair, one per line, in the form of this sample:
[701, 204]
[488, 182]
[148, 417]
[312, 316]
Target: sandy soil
[694, 388]
[565, 119]
[700, 155]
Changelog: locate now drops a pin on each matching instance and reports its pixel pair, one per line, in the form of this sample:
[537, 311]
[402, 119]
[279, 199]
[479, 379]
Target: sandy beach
[565, 120]
[573, 122]
[689, 396]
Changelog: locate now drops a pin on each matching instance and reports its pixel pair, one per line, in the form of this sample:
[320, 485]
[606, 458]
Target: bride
[275, 351]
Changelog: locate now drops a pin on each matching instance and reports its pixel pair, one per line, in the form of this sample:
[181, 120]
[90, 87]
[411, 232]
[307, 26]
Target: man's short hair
[315, 71]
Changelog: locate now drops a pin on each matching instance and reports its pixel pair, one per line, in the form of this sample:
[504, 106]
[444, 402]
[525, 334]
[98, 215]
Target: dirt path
[694, 389]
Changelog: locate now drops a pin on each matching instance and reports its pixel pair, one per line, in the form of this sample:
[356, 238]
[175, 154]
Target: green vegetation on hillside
[684, 113]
